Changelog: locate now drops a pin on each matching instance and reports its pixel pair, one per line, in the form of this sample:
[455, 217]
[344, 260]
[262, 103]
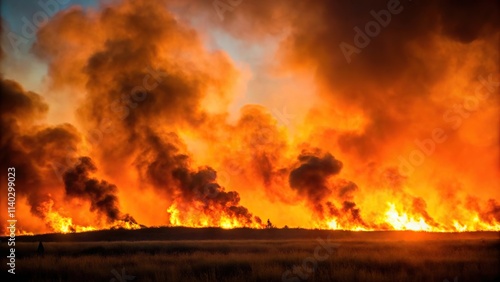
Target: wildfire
[459, 226]
[476, 224]
[402, 221]
[58, 222]
[193, 218]
[126, 224]
[63, 224]
[24, 233]
[171, 122]
[335, 224]
[394, 219]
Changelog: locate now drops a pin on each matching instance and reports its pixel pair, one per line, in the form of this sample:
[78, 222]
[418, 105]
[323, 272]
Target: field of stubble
[261, 260]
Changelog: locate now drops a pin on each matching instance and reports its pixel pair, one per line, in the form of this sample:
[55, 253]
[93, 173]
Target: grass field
[346, 258]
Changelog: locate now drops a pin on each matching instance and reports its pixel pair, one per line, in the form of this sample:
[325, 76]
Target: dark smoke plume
[78, 183]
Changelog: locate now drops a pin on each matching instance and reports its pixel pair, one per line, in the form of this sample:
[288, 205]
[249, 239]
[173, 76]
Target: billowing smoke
[311, 175]
[143, 93]
[38, 152]
[78, 183]
[163, 120]
[171, 174]
[140, 92]
[345, 216]
[31, 148]
[312, 178]
[262, 143]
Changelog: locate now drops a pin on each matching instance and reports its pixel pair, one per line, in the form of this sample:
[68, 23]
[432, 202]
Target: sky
[379, 115]
[15, 14]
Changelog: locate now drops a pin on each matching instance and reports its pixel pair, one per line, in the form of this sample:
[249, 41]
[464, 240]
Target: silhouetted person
[40, 249]
[269, 224]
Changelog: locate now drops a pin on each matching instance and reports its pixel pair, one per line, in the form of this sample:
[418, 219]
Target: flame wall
[399, 134]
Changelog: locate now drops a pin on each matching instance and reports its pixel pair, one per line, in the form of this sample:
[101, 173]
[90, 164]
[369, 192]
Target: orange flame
[402, 221]
[396, 218]
[193, 218]
[58, 222]
[63, 224]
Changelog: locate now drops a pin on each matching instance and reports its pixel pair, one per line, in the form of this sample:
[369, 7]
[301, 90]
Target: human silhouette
[40, 250]
[269, 224]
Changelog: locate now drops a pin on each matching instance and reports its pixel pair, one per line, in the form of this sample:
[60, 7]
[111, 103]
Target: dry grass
[259, 260]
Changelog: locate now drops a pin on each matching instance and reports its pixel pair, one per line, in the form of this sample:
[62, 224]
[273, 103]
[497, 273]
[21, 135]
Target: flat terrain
[272, 255]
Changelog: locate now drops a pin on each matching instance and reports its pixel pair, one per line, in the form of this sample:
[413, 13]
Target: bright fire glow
[60, 223]
[155, 119]
[401, 221]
